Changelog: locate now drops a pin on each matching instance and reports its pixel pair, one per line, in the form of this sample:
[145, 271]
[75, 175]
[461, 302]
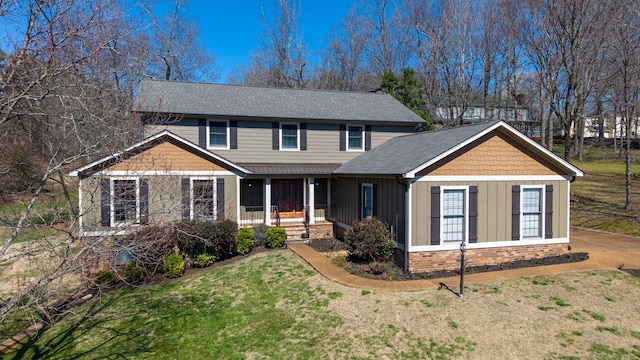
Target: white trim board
[165, 173]
[493, 178]
[485, 245]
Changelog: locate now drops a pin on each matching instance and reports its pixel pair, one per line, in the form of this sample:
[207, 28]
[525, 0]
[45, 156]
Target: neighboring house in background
[259, 155]
[512, 113]
[611, 128]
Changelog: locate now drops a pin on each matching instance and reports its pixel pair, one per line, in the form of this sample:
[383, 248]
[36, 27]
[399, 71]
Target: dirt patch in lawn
[338, 252]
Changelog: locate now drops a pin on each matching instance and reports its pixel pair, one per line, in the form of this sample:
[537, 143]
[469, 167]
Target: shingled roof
[405, 155]
[203, 99]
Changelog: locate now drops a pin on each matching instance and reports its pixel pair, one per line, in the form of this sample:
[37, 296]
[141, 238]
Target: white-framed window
[289, 136]
[218, 134]
[355, 138]
[531, 208]
[366, 204]
[125, 201]
[203, 199]
[454, 219]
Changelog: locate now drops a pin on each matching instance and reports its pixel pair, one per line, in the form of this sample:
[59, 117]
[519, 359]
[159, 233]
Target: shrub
[204, 260]
[133, 273]
[245, 240]
[370, 240]
[218, 238]
[379, 267]
[275, 237]
[173, 266]
[260, 234]
[151, 245]
[103, 277]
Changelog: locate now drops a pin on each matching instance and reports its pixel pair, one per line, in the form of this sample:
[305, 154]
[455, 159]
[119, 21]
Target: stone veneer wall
[450, 259]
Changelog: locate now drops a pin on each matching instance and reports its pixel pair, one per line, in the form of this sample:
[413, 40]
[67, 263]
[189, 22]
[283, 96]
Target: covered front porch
[283, 200]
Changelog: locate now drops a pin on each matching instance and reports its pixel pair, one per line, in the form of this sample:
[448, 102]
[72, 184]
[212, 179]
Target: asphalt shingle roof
[402, 154]
[246, 101]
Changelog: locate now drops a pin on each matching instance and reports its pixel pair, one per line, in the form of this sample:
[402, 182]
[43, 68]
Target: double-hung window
[203, 199]
[218, 135]
[532, 220]
[289, 137]
[454, 215]
[125, 201]
[355, 141]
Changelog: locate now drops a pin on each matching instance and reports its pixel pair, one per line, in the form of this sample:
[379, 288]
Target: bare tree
[174, 52]
[625, 79]
[281, 59]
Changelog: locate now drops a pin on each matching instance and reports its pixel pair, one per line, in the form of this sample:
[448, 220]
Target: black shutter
[105, 202]
[220, 199]
[548, 212]
[343, 137]
[275, 136]
[367, 137]
[374, 202]
[186, 199]
[303, 136]
[360, 205]
[233, 134]
[144, 201]
[515, 212]
[202, 133]
[435, 215]
[473, 214]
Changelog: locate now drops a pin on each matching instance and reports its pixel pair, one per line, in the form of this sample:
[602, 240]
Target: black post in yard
[463, 247]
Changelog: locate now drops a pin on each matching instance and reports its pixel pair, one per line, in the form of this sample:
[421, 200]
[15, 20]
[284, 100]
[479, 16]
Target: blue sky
[231, 29]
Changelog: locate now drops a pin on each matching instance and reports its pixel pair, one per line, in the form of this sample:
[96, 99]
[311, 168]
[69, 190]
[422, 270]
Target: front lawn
[597, 200]
[273, 305]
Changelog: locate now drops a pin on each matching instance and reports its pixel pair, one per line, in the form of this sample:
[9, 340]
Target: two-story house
[280, 156]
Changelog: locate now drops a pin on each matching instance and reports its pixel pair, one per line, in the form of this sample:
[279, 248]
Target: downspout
[407, 221]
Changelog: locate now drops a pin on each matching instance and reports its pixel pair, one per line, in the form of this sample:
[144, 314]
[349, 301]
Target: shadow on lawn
[116, 343]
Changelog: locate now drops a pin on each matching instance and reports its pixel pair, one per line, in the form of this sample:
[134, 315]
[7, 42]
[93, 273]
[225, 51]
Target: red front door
[287, 194]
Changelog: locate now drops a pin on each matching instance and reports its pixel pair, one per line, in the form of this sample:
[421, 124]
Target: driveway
[606, 251]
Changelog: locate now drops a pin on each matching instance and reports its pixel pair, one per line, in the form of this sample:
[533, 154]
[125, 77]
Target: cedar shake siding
[259, 140]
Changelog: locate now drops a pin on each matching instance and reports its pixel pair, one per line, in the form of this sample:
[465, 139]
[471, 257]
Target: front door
[287, 194]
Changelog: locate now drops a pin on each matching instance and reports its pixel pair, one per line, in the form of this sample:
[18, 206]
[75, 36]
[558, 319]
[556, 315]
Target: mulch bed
[395, 273]
[632, 272]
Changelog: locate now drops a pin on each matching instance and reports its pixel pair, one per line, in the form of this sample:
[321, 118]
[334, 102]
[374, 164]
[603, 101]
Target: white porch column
[312, 201]
[267, 201]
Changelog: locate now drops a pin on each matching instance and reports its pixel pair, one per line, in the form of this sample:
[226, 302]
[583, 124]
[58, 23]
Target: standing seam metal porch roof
[188, 98]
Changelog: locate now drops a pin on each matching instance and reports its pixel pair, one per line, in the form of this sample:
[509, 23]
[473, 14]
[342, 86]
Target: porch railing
[320, 212]
[251, 215]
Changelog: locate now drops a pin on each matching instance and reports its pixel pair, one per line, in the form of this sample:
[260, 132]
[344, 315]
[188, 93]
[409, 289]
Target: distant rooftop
[201, 99]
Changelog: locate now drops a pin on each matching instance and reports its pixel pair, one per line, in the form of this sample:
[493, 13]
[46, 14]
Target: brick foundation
[450, 259]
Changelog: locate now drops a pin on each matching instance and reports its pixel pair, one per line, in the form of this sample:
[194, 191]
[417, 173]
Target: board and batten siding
[255, 141]
[165, 199]
[388, 197]
[494, 208]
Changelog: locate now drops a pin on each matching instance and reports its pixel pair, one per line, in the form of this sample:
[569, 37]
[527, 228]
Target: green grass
[594, 315]
[260, 307]
[598, 199]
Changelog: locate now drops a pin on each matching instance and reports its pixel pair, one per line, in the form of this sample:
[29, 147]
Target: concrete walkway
[606, 251]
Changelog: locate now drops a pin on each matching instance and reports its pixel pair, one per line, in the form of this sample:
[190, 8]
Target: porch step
[296, 230]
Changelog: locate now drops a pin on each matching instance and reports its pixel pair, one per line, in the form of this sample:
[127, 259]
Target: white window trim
[112, 202]
[363, 138]
[192, 196]
[362, 186]
[209, 146]
[542, 211]
[466, 214]
[297, 148]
